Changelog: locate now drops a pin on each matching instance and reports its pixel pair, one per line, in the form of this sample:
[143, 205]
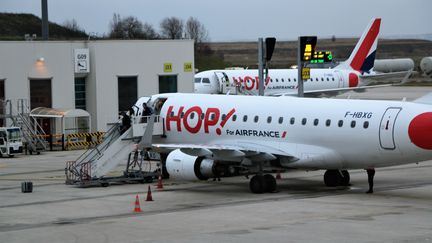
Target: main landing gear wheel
[262, 183]
[334, 178]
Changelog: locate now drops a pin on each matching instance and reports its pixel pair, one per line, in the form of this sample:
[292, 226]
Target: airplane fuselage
[279, 81]
[319, 133]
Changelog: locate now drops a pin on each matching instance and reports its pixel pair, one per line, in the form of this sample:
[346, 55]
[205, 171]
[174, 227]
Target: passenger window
[289, 80]
[223, 116]
[316, 79]
[197, 80]
[332, 79]
[256, 119]
[192, 115]
[316, 122]
[295, 80]
[202, 116]
[365, 124]
[277, 80]
[206, 81]
[322, 79]
[340, 123]
[328, 79]
[182, 115]
[271, 79]
[280, 120]
[234, 118]
[172, 114]
[328, 122]
[283, 80]
[304, 120]
[353, 123]
[212, 116]
[245, 118]
[292, 120]
[269, 119]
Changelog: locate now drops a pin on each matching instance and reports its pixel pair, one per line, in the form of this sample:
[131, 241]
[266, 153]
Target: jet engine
[182, 166]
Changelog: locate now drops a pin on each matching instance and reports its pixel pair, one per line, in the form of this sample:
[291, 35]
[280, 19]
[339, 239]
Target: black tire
[104, 184]
[332, 178]
[257, 184]
[345, 178]
[270, 183]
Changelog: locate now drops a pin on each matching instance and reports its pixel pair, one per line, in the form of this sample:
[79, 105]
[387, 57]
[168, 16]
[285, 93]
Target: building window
[168, 84]
[127, 92]
[80, 93]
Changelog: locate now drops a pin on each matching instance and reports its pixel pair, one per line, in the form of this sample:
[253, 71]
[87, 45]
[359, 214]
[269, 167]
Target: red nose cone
[420, 130]
[353, 80]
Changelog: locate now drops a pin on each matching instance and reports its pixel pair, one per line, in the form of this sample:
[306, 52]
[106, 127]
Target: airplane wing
[388, 77]
[228, 152]
[332, 92]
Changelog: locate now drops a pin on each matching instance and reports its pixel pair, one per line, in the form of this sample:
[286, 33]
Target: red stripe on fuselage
[366, 45]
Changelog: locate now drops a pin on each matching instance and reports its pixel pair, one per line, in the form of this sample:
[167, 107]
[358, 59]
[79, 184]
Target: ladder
[94, 164]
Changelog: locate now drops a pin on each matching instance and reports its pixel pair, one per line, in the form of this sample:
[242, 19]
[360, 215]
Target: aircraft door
[386, 130]
[339, 79]
[223, 82]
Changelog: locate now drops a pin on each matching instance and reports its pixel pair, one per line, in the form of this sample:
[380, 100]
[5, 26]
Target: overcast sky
[230, 20]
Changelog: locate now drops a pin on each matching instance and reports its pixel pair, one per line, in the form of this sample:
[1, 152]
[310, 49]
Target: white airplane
[353, 74]
[211, 136]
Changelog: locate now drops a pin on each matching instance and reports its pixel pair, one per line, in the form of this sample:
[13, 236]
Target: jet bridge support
[92, 167]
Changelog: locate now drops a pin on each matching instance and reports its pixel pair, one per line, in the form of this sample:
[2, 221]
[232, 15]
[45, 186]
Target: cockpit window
[197, 80]
[206, 81]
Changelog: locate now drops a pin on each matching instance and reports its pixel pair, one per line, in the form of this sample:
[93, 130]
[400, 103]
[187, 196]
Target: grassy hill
[244, 54]
[15, 26]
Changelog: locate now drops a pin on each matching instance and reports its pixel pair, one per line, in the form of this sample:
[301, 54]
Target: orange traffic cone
[137, 208]
[149, 195]
[278, 176]
[159, 184]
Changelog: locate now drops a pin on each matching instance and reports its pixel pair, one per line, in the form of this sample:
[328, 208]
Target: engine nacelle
[185, 167]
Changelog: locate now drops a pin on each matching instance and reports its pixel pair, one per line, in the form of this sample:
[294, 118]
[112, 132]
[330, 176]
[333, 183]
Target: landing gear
[334, 178]
[262, 183]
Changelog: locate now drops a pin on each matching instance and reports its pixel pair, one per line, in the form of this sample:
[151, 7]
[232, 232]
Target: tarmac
[302, 209]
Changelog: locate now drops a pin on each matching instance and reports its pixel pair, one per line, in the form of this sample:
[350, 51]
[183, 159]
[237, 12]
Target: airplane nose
[420, 130]
[353, 80]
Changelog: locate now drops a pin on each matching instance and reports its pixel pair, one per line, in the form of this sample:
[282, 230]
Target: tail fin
[363, 56]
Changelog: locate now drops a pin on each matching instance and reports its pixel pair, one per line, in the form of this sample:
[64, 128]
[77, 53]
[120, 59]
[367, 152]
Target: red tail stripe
[366, 45]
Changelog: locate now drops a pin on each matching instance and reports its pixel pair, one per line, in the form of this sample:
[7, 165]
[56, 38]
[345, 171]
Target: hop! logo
[194, 118]
[250, 83]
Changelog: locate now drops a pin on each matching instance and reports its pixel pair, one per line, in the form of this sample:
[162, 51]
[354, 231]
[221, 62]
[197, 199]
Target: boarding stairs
[92, 167]
[32, 132]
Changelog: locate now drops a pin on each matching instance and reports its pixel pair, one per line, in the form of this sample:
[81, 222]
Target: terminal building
[102, 77]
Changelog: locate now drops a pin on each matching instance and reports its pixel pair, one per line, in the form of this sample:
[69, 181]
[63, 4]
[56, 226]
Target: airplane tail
[363, 56]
